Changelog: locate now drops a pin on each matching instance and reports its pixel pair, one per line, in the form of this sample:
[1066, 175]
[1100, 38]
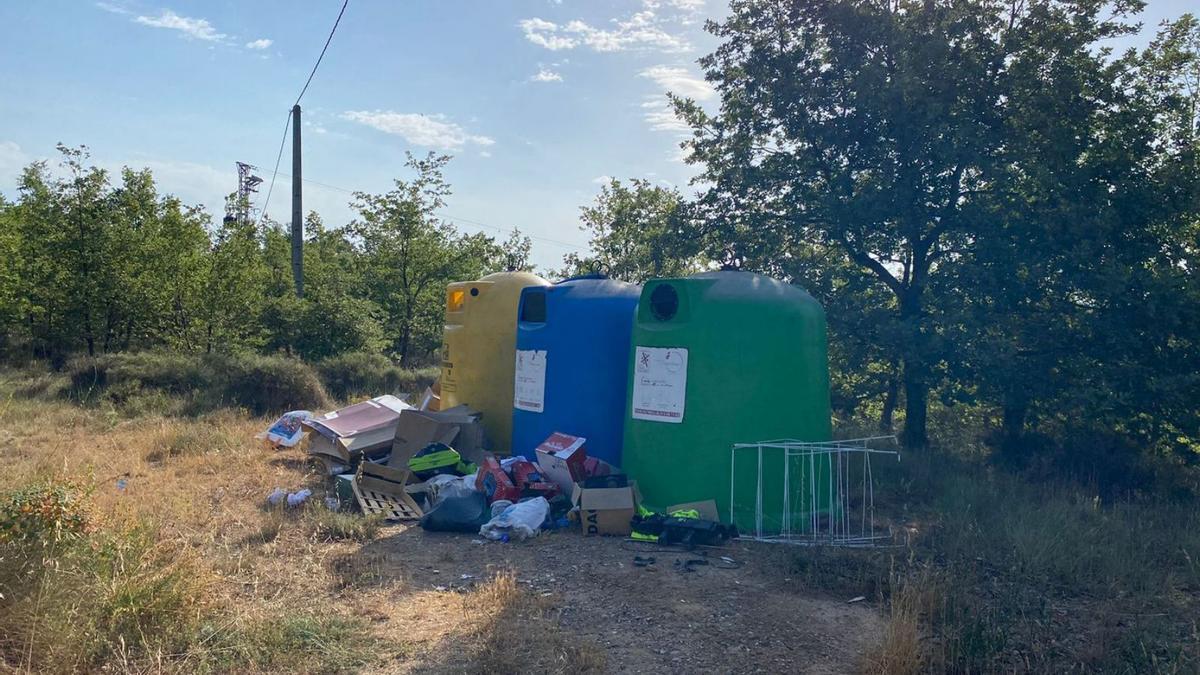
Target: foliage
[42, 512]
[637, 233]
[409, 255]
[93, 268]
[1000, 209]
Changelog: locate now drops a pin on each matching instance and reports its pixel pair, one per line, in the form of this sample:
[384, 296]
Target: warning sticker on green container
[659, 383]
[530, 383]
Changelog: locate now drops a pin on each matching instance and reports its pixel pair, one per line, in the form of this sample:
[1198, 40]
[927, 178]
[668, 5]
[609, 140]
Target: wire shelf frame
[826, 489]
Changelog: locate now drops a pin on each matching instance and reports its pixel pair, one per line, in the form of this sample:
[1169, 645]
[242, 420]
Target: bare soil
[717, 618]
[436, 602]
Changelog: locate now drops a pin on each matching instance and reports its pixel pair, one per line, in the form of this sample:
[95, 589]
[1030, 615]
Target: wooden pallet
[380, 490]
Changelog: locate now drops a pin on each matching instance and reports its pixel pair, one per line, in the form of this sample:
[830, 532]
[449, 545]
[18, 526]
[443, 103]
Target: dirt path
[646, 619]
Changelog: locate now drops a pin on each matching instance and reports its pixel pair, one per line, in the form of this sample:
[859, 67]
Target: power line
[327, 41]
[286, 125]
[271, 187]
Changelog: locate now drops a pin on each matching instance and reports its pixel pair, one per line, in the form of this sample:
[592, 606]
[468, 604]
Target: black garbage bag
[458, 513]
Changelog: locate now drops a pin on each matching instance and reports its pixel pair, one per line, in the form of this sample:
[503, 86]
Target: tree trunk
[1013, 420]
[916, 385]
[916, 408]
[886, 419]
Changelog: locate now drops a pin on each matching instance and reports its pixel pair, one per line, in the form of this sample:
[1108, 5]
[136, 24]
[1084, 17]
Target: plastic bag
[441, 487]
[465, 513]
[519, 521]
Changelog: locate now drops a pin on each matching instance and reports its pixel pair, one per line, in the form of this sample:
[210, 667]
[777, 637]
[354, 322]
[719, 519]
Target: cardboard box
[561, 458]
[494, 482]
[606, 511]
[457, 427]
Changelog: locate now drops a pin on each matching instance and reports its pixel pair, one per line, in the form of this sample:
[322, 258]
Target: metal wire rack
[826, 491]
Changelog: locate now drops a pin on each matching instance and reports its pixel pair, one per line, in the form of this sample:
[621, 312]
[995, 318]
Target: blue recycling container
[573, 364]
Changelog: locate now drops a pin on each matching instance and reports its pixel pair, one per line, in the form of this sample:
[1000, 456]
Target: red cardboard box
[493, 482]
[561, 458]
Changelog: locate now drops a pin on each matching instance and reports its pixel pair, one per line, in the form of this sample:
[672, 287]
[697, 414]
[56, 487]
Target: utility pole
[297, 207]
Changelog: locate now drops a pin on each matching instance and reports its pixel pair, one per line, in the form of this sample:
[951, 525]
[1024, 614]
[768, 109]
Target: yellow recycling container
[479, 349]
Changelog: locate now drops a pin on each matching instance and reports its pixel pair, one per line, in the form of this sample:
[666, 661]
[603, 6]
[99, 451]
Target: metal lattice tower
[247, 184]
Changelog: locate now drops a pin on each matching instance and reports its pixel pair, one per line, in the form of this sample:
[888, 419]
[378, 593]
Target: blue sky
[538, 101]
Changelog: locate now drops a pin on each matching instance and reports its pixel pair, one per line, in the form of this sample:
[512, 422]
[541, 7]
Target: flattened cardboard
[381, 411]
[707, 509]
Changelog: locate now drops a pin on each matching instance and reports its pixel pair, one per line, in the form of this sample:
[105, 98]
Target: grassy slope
[185, 569]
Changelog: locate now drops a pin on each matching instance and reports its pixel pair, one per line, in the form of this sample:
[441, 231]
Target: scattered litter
[478, 541]
[333, 503]
[277, 495]
[297, 498]
[518, 521]
[639, 561]
[122, 484]
[464, 577]
[440, 589]
[855, 599]
[499, 505]
[287, 431]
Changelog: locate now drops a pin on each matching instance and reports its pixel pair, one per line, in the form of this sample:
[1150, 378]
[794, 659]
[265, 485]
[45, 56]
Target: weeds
[1009, 575]
[322, 524]
[76, 595]
[362, 374]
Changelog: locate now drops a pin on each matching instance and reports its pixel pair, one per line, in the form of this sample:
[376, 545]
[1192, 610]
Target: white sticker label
[659, 383]
[530, 384]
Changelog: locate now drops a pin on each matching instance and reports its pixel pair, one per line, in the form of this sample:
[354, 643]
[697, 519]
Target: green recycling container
[721, 358]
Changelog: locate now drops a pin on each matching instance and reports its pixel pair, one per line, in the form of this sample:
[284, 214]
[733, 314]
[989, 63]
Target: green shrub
[263, 384]
[42, 512]
[360, 374]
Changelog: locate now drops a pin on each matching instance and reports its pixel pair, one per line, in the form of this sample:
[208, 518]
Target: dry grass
[186, 569]
[901, 652]
[502, 626]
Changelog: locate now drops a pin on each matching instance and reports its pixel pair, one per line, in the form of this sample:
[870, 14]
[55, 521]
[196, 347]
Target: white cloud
[682, 5]
[640, 31]
[199, 29]
[602, 180]
[679, 81]
[661, 117]
[431, 131]
[484, 154]
[543, 34]
[261, 43]
[13, 161]
[546, 75]
[112, 9]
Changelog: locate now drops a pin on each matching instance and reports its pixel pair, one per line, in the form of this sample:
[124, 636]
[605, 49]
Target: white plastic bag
[519, 521]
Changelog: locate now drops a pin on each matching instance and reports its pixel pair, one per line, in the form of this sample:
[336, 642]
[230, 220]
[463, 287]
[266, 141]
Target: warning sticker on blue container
[659, 383]
[530, 383]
